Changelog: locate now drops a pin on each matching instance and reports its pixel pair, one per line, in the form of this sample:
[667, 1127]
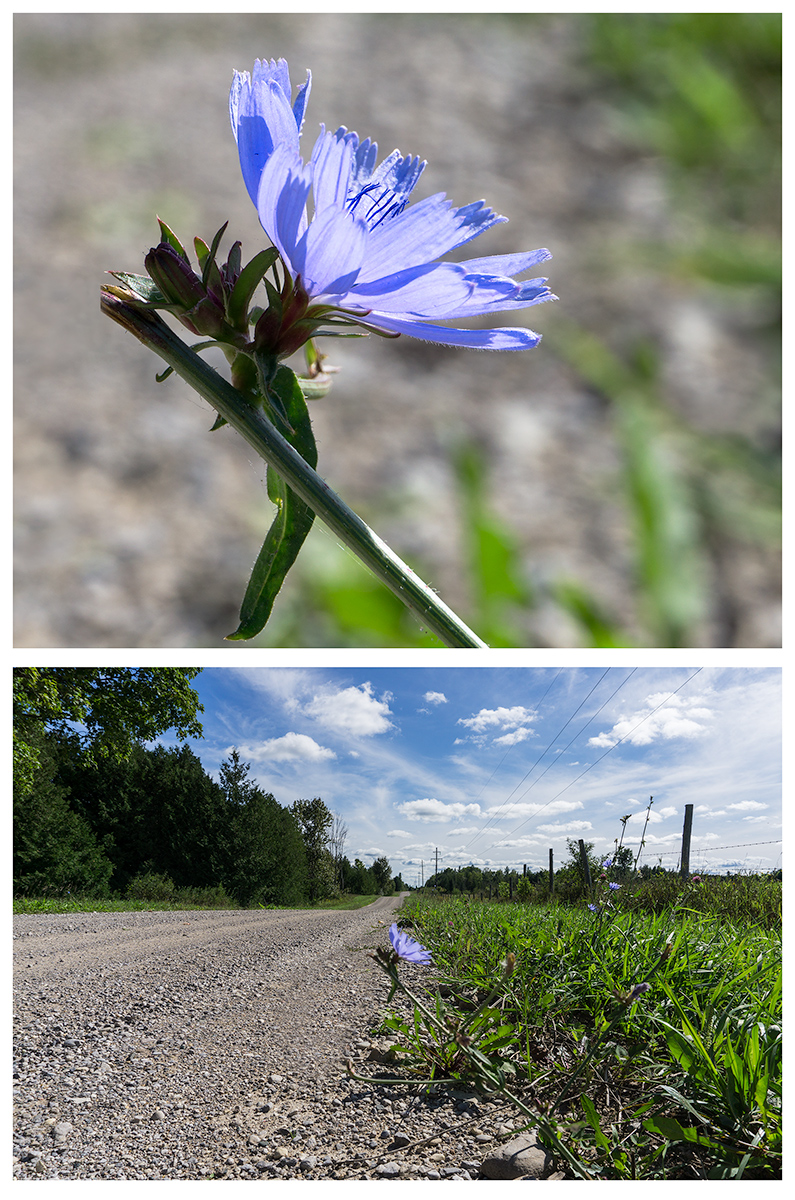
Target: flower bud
[200, 310]
[175, 277]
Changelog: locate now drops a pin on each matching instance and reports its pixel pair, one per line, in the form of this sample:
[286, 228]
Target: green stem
[150, 329]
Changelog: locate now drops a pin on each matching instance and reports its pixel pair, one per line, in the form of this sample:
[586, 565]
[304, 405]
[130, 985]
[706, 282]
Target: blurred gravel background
[137, 528]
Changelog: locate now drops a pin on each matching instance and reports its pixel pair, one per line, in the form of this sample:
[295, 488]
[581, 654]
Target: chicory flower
[406, 948]
[362, 256]
[638, 990]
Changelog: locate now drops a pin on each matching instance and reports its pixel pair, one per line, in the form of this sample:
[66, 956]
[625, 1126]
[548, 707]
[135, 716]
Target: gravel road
[201, 1045]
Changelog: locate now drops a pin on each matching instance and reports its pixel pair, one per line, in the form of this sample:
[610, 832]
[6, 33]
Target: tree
[269, 858]
[337, 839]
[157, 811]
[235, 782]
[362, 879]
[315, 822]
[99, 712]
[383, 874]
[570, 879]
[55, 850]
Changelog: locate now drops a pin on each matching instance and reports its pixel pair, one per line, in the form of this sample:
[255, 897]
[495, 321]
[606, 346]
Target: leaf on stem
[293, 518]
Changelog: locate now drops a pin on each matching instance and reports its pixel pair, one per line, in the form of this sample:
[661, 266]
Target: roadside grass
[533, 1001]
[194, 899]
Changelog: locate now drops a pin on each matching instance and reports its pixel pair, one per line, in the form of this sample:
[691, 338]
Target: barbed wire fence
[661, 854]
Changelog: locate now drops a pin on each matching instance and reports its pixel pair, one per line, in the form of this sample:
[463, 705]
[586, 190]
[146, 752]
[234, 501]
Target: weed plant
[641, 1045]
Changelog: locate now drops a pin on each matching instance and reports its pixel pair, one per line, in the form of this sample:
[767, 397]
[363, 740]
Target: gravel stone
[521, 1158]
[212, 1045]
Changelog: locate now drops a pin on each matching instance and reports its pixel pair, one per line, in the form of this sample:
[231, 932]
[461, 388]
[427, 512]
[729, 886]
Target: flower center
[376, 203]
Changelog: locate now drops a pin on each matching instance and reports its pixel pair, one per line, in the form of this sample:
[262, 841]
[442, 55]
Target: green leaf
[672, 1131]
[166, 235]
[249, 280]
[680, 1048]
[593, 1121]
[211, 275]
[293, 518]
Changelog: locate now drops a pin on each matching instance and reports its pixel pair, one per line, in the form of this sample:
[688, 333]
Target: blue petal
[281, 201]
[330, 253]
[332, 164]
[430, 290]
[476, 339]
[299, 107]
[490, 294]
[261, 119]
[421, 234]
[506, 264]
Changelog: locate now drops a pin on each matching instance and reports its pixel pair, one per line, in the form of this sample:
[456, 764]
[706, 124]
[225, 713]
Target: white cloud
[293, 747]
[639, 818]
[354, 710]
[511, 739]
[436, 810]
[522, 843]
[435, 698]
[745, 806]
[677, 718]
[397, 833]
[570, 827]
[511, 811]
[502, 718]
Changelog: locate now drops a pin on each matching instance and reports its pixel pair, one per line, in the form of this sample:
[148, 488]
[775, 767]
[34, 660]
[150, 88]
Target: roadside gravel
[211, 1045]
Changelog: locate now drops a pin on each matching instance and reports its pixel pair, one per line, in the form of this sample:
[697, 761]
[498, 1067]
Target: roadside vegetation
[641, 1038]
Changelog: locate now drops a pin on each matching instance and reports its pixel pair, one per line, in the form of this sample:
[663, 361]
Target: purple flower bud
[637, 992]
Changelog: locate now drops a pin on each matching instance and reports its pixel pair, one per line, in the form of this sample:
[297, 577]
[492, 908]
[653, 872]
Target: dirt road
[161, 1024]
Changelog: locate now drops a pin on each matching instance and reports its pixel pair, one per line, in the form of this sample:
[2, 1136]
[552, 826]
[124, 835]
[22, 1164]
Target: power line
[495, 816]
[507, 752]
[578, 734]
[601, 756]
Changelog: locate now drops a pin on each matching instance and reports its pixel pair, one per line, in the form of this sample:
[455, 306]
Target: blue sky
[496, 765]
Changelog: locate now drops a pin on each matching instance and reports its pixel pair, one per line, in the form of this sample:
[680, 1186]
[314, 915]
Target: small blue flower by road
[637, 992]
[614, 887]
[406, 948]
[362, 255]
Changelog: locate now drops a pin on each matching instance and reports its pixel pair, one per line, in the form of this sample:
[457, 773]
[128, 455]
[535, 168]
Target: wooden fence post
[586, 869]
[687, 829]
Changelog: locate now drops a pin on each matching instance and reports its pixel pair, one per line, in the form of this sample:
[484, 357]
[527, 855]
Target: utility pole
[687, 829]
[437, 861]
[551, 872]
[586, 868]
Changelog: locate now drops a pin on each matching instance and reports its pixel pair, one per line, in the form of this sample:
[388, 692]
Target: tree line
[98, 813]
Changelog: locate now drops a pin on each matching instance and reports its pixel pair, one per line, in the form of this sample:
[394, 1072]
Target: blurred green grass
[703, 91]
